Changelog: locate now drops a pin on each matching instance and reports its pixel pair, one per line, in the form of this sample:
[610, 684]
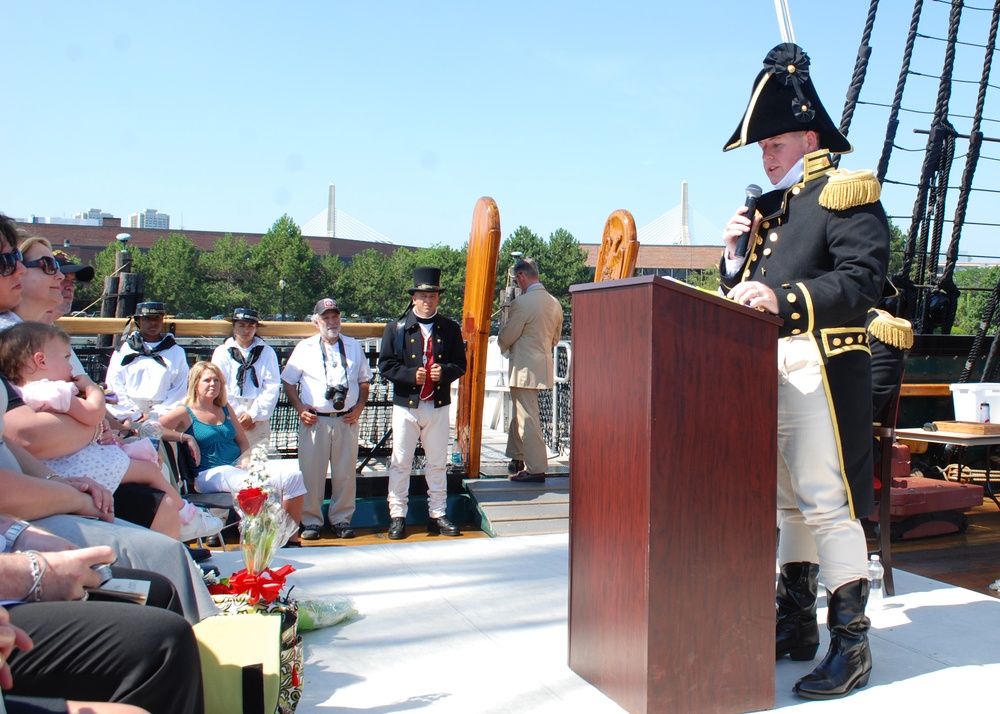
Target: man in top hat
[817, 257]
[73, 273]
[149, 371]
[422, 354]
[326, 381]
[531, 332]
[253, 379]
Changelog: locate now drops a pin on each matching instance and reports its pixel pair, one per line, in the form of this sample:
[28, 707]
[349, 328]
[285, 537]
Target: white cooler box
[969, 396]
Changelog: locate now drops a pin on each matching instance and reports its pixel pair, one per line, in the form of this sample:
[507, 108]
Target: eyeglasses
[9, 261]
[48, 264]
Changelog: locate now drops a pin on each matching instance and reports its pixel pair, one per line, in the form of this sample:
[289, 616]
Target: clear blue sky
[226, 115]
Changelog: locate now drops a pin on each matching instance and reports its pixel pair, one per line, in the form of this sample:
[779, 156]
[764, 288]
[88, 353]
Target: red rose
[220, 589]
[251, 501]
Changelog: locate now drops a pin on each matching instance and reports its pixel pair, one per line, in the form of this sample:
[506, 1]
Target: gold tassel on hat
[893, 331]
[848, 189]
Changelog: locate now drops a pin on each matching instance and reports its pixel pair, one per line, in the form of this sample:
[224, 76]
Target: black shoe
[292, 544]
[796, 629]
[214, 541]
[525, 477]
[443, 526]
[848, 663]
[200, 555]
[397, 529]
[209, 569]
[515, 465]
[342, 530]
[310, 533]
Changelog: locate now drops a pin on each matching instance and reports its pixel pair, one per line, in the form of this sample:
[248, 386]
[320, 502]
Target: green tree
[228, 275]
[976, 285]
[565, 265]
[373, 287]
[283, 254]
[172, 275]
[332, 277]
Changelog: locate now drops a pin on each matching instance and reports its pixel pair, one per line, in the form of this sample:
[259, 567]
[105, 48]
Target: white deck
[480, 625]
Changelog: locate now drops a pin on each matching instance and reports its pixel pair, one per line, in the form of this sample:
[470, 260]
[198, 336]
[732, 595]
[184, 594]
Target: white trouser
[430, 425]
[220, 479]
[813, 511]
[329, 443]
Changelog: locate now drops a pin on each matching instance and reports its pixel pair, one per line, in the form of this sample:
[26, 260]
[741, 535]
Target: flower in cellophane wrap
[264, 524]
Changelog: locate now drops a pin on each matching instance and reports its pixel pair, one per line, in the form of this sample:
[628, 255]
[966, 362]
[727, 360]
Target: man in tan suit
[534, 324]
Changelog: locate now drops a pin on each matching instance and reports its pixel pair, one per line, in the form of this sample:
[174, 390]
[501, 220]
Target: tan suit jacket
[534, 324]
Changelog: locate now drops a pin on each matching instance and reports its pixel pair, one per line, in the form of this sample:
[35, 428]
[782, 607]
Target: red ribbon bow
[266, 586]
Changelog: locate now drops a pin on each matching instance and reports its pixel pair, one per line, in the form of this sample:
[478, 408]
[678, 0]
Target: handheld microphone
[753, 193]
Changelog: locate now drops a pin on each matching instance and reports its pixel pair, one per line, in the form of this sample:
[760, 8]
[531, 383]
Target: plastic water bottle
[152, 430]
[876, 572]
[456, 455]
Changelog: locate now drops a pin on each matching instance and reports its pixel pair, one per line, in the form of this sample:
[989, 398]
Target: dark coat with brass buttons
[827, 267]
[402, 354]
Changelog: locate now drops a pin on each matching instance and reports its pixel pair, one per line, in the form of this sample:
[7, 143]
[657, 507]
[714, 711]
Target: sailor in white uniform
[253, 379]
[149, 371]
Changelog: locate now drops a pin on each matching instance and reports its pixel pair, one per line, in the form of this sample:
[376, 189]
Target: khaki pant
[330, 443]
[524, 437]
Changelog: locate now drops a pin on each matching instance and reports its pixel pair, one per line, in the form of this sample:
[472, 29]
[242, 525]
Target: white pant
[430, 425]
[329, 443]
[222, 479]
[813, 510]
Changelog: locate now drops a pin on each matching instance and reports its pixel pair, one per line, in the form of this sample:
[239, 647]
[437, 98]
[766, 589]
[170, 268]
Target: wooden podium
[672, 497]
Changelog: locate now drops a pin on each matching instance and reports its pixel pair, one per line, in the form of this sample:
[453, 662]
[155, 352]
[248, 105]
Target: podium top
[680, 286]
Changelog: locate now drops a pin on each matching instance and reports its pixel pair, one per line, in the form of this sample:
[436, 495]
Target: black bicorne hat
[149, 309]
[784, 100]
[426, 280]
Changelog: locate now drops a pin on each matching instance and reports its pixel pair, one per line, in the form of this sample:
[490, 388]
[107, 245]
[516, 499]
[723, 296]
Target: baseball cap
[326, 304]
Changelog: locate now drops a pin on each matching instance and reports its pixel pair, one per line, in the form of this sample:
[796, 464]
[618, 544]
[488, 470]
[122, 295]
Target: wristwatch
[13, 533]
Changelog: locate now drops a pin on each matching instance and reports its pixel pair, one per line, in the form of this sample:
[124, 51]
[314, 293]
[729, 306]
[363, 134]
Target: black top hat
[149, 309]
[426, 280]
[84, 273]
[784, 100]
[245, 314]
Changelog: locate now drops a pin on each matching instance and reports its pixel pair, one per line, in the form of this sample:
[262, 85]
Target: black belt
[331, 414]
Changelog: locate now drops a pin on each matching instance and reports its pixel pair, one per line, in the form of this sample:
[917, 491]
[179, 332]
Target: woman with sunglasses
[42, 282]
[41, 291]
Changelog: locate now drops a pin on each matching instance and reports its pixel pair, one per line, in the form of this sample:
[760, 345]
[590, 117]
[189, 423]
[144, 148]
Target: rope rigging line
[935, 145]
[893, 123]
[972, 157]
[858, 78]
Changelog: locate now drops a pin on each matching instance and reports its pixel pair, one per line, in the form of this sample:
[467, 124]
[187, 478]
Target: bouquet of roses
[264, 527]
[264, 524]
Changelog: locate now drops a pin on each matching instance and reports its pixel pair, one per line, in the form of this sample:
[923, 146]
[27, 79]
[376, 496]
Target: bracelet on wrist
[38, 567]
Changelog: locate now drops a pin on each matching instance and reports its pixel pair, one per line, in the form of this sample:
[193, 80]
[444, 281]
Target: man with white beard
[326, 381]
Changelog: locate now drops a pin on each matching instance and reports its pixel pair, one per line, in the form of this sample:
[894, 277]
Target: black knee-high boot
[848, 663]
[796, 631]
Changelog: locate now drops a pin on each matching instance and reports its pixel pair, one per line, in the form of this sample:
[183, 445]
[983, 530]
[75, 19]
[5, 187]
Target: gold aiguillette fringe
[847, 189]
[893, 331]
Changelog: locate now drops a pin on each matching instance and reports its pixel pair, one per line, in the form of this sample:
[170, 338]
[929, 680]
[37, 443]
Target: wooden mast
[480, 284]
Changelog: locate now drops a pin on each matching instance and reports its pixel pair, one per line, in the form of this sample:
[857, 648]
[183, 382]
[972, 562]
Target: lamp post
[281, 289]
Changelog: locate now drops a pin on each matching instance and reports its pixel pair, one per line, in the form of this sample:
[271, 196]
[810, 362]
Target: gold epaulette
[893, 331]
[848, 189]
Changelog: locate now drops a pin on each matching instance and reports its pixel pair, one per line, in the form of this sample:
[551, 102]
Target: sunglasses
[48, 265]
[9, 261]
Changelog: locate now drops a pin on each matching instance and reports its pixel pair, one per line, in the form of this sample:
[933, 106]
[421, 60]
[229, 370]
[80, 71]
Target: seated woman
[220, 442]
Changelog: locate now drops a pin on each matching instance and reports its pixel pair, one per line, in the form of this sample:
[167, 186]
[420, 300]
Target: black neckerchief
[136, 342]
[246, 365]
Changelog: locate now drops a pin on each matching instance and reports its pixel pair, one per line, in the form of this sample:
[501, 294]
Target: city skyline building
[150, 218]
